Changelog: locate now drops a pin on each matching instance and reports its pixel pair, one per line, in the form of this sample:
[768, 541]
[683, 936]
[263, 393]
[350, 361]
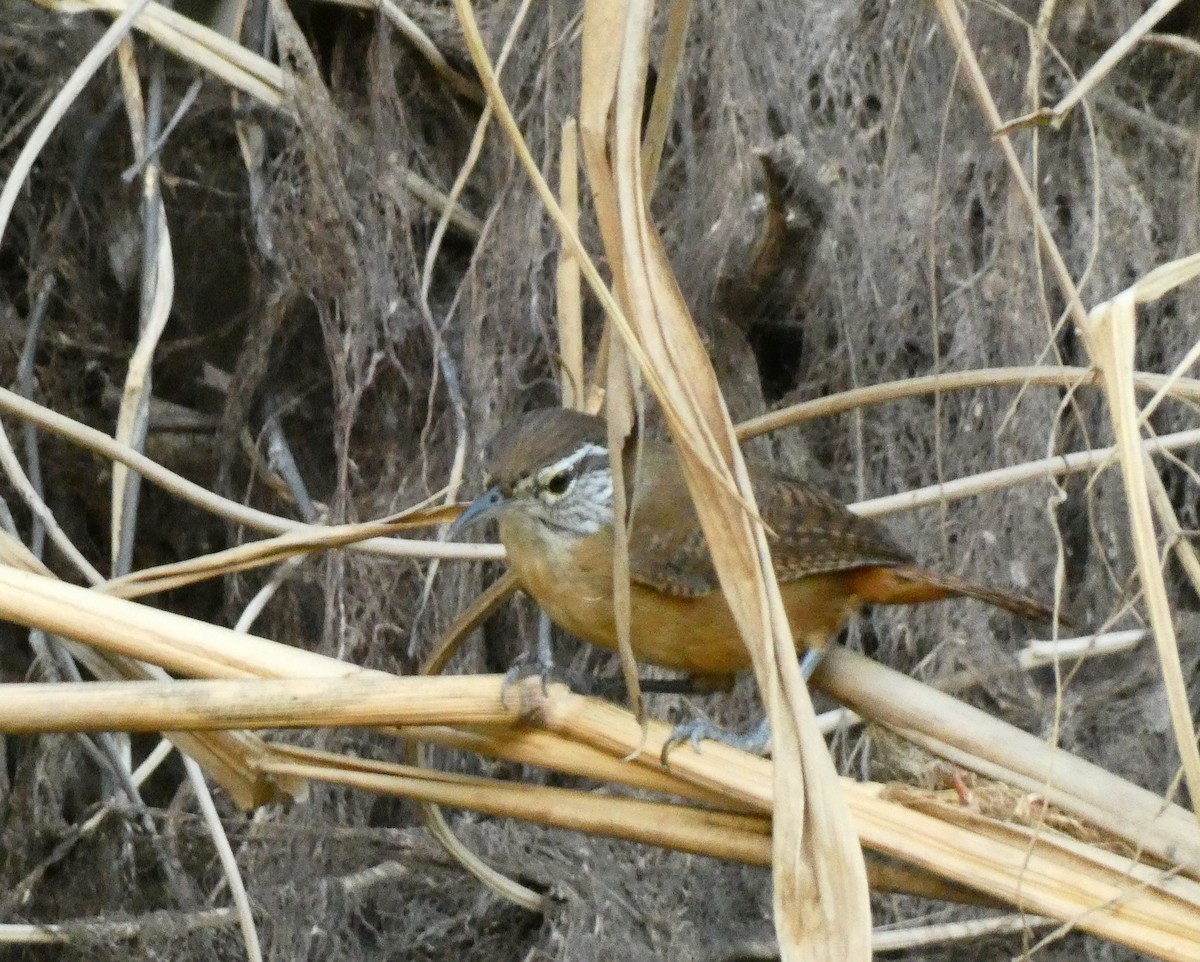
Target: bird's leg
[810, 661]
[756, 741]
[539, 662]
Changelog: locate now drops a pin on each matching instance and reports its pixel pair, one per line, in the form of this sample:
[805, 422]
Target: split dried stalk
[1113, 335]
[569, 296]
[821, 908]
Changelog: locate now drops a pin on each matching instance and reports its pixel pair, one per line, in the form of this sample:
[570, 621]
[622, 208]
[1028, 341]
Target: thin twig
[1016, 474]
[233, 875]
[193, 493]
[189, 97]
[61, 104]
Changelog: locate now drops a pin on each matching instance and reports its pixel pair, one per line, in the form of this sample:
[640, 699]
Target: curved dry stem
[1065, 377]
[233, 875]
[191, 40]
[193, 493]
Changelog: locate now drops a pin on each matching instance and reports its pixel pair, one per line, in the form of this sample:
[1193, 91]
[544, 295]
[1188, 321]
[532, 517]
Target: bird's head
[552, 466]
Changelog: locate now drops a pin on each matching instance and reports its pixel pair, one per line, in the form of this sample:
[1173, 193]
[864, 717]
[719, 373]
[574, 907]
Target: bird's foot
[756, 741]
[528, 664]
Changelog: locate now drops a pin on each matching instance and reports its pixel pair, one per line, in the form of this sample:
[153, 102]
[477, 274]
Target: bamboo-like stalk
[740, 838]
[1038, 871]
[1099, 892]
[150, 706]
[974, 739]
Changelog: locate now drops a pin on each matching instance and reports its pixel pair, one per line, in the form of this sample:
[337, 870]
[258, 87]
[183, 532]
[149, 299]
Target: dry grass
[383, 276]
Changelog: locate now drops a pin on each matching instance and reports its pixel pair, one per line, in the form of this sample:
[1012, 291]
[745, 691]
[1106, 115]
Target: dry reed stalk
[157, 298]
[1008, 866]
[472, 617]
[1039, 654]
[1115, 53]
[568, 299]
[956, 32]
[670, 65]
[1108, 335]
[182, 645]
[1113, 327]
[1172, 41]
[269, 551]
[551, 751]
[1174, 385]
[1001, 478]
[150, 706]
[974, 739]
[226, 858]
[87, 931]
[740, 838]
[905, 937]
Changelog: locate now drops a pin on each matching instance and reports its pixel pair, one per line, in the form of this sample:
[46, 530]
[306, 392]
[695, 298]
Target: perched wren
[552, 491]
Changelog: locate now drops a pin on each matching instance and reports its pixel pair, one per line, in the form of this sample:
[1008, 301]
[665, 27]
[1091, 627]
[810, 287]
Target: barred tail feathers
[910, 585]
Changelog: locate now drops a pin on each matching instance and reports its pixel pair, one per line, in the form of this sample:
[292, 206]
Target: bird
[550, 486]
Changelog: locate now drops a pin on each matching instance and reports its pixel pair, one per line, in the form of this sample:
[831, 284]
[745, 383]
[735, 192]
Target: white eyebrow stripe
[572, 459]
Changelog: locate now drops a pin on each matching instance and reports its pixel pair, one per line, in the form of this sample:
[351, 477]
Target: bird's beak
[487, 505]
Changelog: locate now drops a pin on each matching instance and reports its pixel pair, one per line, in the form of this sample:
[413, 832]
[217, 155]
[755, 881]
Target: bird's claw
[527, 665]
[756, 741]
[538, 662]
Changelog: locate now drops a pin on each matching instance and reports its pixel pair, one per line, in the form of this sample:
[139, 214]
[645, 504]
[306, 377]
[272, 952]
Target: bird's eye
[559, 483]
